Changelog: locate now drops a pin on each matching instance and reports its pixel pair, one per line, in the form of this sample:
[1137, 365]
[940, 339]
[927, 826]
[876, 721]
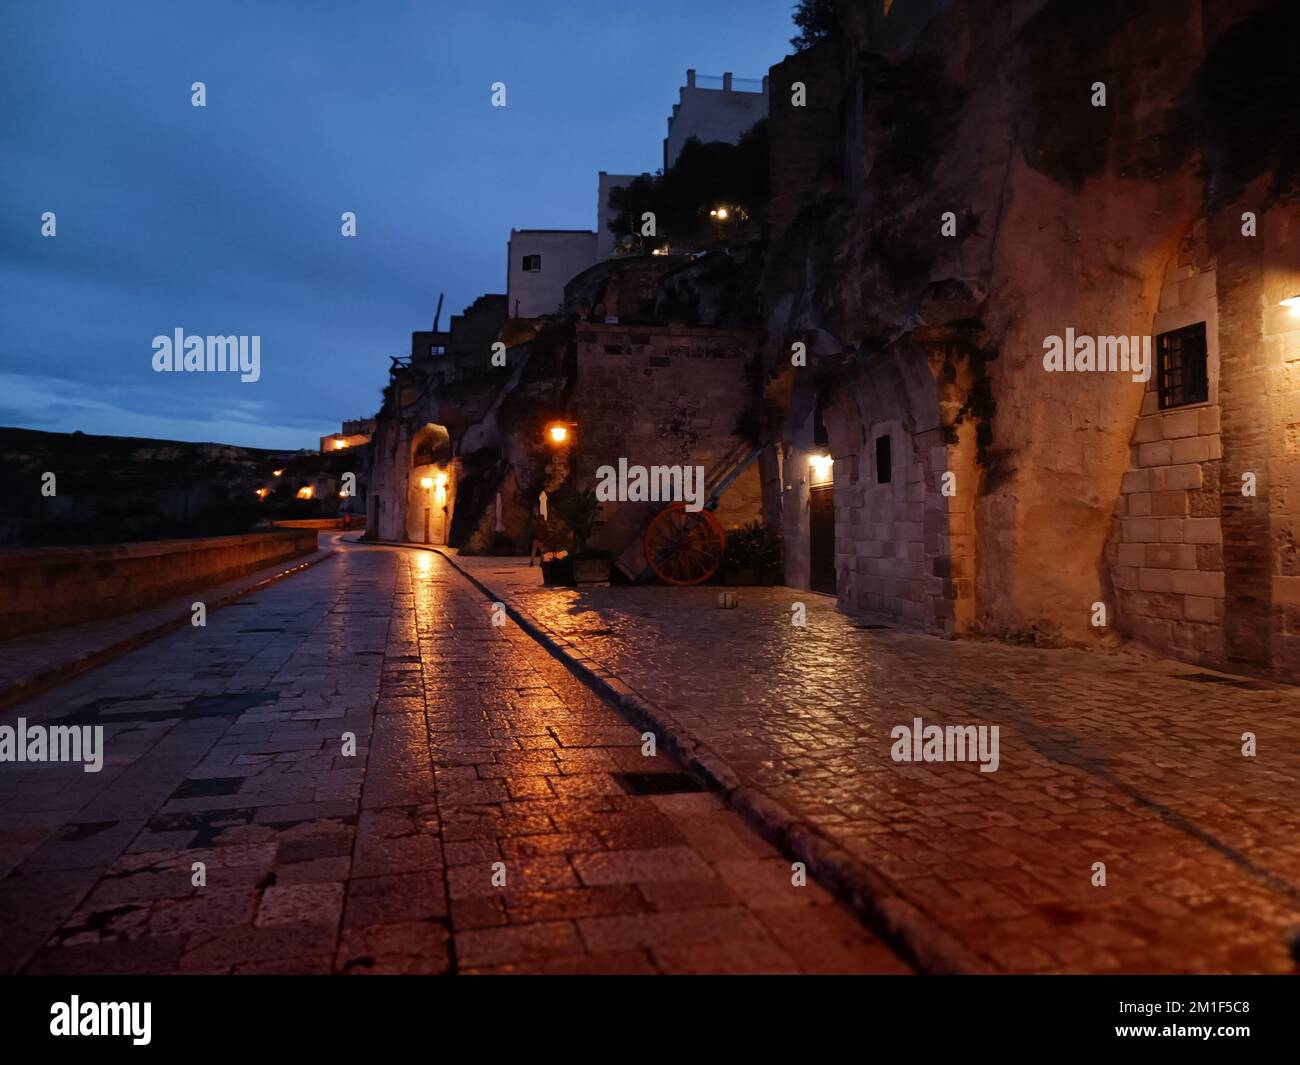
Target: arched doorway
[821, 510]
[431, 486]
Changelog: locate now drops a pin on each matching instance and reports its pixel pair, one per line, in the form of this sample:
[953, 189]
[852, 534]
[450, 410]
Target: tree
[815, 20]
[705, 176]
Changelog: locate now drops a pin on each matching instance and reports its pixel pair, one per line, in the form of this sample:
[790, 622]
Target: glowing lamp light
[277, 473]
[426, 482]
[1294, 303]
[720, 213]
[306, 492]
[339, 445]
[557, 433]
[440, 481]
[822, 467]
[261, 493]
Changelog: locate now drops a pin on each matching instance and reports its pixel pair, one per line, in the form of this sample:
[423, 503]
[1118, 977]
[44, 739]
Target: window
[884, 461]
[532, 264]
[1181, 373]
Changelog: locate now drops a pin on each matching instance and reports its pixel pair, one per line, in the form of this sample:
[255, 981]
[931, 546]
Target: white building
[541, 262]
[714, 112]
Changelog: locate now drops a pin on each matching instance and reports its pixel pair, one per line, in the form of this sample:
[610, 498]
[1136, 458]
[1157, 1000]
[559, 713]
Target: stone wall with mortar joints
[661, 396]
[1279, 354]
[1166, 561]
[894, 541]
[49, 587]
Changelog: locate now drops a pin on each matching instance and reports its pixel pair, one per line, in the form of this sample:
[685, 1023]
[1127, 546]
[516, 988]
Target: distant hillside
[118, 488]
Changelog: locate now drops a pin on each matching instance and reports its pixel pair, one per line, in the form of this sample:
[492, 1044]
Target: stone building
[967, 180]
[354, 433]
[714, 109]
[541, 261]
[461, 452]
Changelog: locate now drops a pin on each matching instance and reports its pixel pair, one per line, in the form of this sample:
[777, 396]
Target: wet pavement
[1117, 764]
[356, 771]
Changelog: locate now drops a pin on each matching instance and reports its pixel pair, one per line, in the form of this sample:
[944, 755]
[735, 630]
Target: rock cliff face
[953, 193]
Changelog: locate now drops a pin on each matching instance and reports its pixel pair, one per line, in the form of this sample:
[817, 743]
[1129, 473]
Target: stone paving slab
[474, 830]
[1118, 758]
[30, 664]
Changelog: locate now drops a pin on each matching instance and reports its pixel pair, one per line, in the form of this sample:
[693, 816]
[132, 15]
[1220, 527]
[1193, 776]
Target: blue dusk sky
[225, 219]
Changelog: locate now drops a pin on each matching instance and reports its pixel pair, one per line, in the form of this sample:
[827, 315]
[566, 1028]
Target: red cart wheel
[684, 547]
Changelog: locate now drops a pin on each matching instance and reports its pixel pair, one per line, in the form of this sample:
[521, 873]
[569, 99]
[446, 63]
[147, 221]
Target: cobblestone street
[225, 746]
[1128, 760]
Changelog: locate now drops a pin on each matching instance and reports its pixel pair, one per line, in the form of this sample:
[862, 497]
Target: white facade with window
[541, 262]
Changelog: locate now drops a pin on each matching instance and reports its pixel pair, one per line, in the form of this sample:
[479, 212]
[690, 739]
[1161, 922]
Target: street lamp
[823, 468]
[557, 433]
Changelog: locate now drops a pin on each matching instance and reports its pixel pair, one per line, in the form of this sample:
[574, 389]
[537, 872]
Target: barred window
[1182, 375]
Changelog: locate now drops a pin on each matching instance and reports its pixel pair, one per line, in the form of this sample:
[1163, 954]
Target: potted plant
[753, 555]
[579, 510]
[557, 563]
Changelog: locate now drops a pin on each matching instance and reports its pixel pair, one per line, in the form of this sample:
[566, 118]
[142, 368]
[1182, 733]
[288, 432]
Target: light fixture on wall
[822, 469]
[1294, 303]
[557, 434]
[426, 482]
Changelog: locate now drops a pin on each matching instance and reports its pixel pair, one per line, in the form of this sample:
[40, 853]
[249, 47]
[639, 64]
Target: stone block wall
[1166, 564]
[1279, 349]
[661, 396]
[47, 587]
[903, 549]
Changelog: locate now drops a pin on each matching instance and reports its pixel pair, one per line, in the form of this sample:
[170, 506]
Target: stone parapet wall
[46, 587]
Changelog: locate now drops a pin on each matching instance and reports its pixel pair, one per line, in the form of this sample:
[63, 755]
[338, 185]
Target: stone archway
[431, 485]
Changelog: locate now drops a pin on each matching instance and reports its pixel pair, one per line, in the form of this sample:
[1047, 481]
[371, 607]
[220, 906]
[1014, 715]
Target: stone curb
[909, 930]
[50, 678]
